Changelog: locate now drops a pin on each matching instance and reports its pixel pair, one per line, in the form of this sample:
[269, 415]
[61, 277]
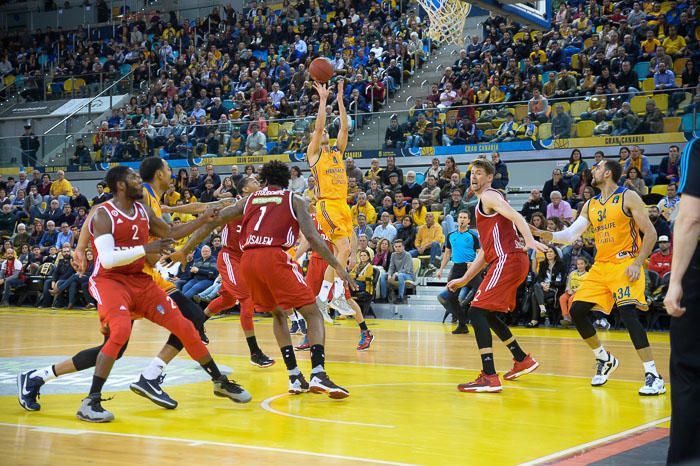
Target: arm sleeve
[568, 235]
[111, 257]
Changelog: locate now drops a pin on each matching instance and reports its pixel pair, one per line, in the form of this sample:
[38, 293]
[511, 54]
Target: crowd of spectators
[232, 82]
[593, 73]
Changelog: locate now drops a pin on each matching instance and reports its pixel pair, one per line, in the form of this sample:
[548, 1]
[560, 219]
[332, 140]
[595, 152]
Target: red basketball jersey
[269, 220]
[325, 237]
[497, 234]
[128, 231]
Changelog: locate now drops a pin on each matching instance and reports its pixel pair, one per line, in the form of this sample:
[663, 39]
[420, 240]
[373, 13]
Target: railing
[291, 135]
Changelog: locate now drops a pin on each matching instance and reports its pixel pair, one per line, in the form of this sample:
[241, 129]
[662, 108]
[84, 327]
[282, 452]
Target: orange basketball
[321, 69]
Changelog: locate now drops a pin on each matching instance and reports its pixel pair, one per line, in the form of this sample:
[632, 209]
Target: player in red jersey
[498, 225]
[120, 230]
[314, 278]
[271, 220]
[233, 286]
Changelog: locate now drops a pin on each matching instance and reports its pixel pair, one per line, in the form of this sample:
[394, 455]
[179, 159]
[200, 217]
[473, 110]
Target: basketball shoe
[521, 368]
[294, 329]
[28, 390]
[226, 388]
[298, 384]
[152, 390]
[366, 339]
[604, 370]
[304, 345]
[653, 385]
[483, 383]
[341, 305]
[260, 359]
[323, 307]
[321, 383]
[91, 409]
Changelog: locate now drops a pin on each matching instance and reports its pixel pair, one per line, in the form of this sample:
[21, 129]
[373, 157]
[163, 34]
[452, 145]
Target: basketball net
[447, 18]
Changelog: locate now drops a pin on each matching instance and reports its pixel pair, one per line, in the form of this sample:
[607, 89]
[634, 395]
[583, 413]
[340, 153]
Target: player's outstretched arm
[473, 270]
[633, 202]
[162, 229]
[569, 234]
[302, 246]
[313, 152]
[492, 200]
[342, 140]
[228, 214]
[197, 208]
[306, 225]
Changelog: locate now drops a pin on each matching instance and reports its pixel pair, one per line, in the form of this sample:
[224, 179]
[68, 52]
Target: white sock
[600, 353]
[154, 369]
[325, 288]
[650, 367]
[339, 289]
[293, 316]
[294, 371]
[46, 374]
[317, 369]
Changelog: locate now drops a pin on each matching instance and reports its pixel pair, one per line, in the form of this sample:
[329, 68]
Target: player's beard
[136, 194]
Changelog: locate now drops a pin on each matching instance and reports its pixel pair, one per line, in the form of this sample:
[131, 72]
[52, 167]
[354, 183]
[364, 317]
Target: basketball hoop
[447, 18]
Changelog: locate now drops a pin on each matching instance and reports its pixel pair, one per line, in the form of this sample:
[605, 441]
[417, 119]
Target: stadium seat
[687, 100]
[575, 62]
[227, 104]
[687, 122]
[660, 189]
[679, 81]
[520, 112]
[661, 102]
[642, 69]
[578, 107]
[672, 124]
[584, 128]
[124, 68]
[9, 79]
[648, 85]
[638, 104]
[545, 131]
[679, 65]
[273, 131]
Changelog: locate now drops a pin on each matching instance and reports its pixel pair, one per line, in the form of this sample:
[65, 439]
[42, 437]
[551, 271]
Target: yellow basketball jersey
[149, 198]
[616, 233]
[331, 178]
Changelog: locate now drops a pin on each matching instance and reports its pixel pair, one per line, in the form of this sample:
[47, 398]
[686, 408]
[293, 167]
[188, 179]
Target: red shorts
[232, 282]
[274, 280]
[314, 275]
[122, 298]
[497, 291]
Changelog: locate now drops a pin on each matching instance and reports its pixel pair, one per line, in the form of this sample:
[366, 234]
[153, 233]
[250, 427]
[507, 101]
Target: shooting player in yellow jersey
[617, 215]
[332, 210]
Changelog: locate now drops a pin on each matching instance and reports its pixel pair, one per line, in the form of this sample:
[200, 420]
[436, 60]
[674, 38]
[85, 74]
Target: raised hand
[322, 90]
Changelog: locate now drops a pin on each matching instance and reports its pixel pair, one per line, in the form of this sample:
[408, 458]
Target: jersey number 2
[135, 229]
[263, 209]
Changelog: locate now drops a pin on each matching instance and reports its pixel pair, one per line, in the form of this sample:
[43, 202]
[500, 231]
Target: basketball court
[404, 406]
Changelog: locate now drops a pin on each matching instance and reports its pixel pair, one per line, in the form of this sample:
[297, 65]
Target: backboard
[535, 13]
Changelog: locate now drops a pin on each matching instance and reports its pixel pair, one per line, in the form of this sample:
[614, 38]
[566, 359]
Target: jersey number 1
[263, 210]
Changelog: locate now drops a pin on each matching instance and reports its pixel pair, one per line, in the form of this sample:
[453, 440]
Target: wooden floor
[404, 407]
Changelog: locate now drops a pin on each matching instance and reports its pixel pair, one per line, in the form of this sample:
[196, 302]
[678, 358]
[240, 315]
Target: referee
[461, 246]
[683, 304]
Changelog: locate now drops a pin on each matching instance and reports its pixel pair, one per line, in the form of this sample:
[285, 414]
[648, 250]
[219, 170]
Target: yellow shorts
[162, 283]
[607, 284]
[335, 218]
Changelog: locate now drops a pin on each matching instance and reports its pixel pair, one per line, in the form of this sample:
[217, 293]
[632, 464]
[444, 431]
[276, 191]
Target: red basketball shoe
[483, 383]
[521, 368]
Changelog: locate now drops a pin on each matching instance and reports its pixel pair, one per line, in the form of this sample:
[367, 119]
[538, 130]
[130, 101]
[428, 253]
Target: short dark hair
[116, 175]
[242, 183]
[463, 211]
[275, 173]
[615, 169]
[149, 167]
[398, 241]
[485, 165]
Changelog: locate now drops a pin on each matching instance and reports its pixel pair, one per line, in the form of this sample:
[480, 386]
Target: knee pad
[579, 315]
[175, 342]
[86, 358]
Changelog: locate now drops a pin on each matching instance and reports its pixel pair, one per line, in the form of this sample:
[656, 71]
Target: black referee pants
[685, 372]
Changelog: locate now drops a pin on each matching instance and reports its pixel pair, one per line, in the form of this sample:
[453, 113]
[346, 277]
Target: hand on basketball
[672, 301]
[633, 272]
[322, 90]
